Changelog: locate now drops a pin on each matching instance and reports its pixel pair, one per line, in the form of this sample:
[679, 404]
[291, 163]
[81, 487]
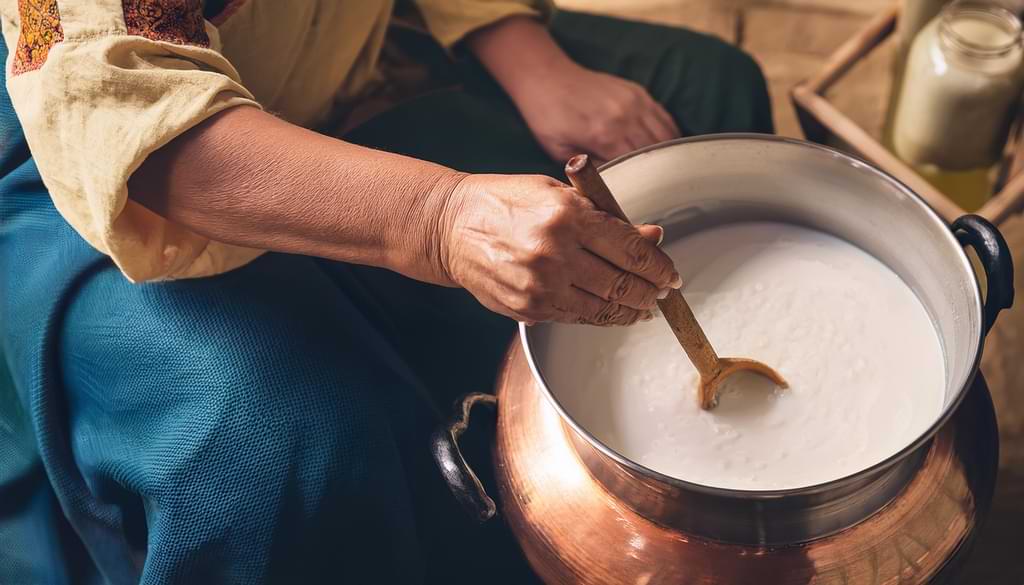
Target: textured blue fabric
[268, 407]
[36, 542]
[270, 424]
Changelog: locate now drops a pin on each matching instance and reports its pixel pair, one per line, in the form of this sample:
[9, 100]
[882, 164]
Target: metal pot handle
[978, 233]
[444, 444]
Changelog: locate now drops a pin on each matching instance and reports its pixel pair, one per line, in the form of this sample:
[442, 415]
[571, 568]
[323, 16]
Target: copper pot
[585, 514]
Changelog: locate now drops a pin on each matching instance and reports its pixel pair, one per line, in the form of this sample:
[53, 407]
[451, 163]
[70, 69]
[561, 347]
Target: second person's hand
[568, 107]
[571, 109]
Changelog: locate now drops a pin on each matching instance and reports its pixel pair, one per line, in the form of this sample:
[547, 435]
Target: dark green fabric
[707, 85]
[257, 425]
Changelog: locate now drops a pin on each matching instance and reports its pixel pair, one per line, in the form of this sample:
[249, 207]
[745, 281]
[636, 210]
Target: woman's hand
[534, 249]
[569, 108]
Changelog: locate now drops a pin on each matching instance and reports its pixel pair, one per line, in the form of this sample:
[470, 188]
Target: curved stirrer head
[708, 391]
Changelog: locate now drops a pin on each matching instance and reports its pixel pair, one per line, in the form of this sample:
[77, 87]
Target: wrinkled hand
[532, 248]
[571, 109]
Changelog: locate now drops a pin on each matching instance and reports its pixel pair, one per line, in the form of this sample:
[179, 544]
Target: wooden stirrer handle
[690, 335]
[584, 176]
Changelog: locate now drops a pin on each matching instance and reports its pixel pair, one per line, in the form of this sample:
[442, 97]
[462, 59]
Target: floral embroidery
[39, 31]
[173, 21]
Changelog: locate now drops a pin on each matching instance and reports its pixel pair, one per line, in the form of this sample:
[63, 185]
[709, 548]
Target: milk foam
[862, 357]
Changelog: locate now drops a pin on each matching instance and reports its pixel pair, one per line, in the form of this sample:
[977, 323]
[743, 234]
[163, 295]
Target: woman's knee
[748, 90]
[254, 447]
[266, 399]
[292, 420]
[291, 464]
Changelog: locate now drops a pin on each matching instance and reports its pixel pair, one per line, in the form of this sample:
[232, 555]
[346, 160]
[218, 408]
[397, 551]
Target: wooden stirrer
[713, 369]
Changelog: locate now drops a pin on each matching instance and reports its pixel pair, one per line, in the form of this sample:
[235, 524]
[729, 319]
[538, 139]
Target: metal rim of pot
[948, 409]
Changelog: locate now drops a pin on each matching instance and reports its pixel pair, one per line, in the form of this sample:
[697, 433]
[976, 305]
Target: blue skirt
[271, 423]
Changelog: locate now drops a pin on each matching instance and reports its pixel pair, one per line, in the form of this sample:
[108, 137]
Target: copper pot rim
[921, 441]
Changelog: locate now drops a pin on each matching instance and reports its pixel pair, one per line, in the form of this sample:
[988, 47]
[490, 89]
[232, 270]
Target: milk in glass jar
[913, 16]
[960, 87]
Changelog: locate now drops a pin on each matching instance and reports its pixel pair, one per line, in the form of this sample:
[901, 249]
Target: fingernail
[647, 316]
[661, 234]
[677, 281]
[663, 293]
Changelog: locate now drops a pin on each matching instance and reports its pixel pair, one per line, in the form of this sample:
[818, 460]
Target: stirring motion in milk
[862, 357]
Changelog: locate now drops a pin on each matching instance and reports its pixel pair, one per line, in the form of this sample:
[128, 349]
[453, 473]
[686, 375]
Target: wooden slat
[847, 55]
[1007, 202]
[818, 107]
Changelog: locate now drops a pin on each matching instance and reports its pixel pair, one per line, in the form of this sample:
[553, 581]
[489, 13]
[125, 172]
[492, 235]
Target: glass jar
[914, 15]
[959, 90]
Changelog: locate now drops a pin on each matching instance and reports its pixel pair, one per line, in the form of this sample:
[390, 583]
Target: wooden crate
[820, 120]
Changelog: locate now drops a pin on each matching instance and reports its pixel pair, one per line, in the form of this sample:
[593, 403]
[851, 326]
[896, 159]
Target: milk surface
[862, 357]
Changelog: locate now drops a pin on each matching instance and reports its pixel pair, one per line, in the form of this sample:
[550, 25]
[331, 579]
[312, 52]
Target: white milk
[863, 360]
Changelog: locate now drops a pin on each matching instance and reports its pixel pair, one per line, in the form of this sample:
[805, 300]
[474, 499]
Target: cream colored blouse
[99, 84]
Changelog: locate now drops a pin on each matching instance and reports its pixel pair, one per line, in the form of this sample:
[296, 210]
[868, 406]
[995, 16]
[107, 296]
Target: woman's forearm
[519, 52]
[526, 246]
[244, 177]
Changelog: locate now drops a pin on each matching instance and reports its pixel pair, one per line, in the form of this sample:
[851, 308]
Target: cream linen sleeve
[451, 20]
[97, 86]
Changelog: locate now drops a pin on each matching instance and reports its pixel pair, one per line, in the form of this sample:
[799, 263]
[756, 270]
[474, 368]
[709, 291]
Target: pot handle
[444, 444]
[978, 233]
